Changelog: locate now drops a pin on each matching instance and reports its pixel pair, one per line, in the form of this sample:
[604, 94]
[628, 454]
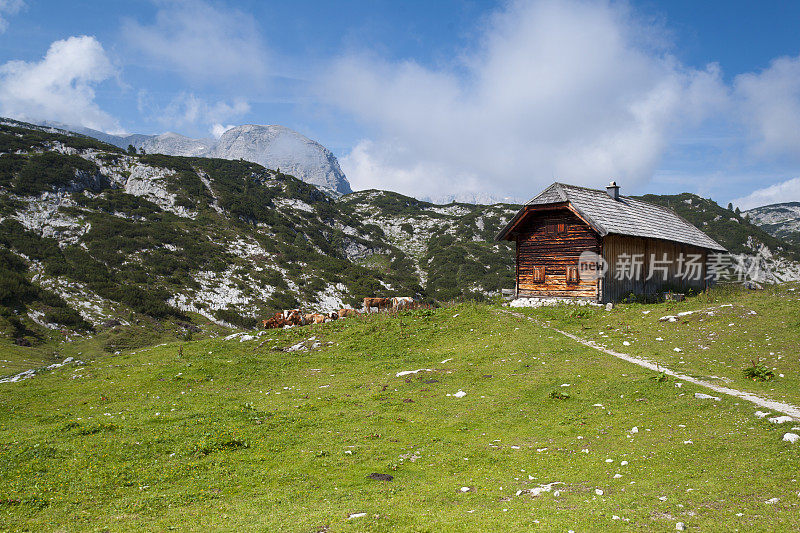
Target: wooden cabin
[564, 225]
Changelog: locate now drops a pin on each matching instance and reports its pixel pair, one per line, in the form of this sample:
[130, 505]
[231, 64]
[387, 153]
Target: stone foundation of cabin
[544, 302]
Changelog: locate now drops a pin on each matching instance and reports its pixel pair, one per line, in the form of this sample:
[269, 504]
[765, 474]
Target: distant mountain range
[275, 147]
[473, 198]
[779, 220]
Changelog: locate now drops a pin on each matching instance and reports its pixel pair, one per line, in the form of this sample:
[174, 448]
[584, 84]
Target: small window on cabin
[561, 228]
[572, 274]
[538, 274]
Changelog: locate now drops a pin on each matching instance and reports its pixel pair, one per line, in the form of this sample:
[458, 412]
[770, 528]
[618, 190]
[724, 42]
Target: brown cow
[402, 302]
[293, 317]
[314, 318]
[276, 321]
[380, 303]
[345, 312]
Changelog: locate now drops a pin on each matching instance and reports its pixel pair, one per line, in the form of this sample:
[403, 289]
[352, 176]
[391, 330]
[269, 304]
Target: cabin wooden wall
[614, 290]
[537, 247]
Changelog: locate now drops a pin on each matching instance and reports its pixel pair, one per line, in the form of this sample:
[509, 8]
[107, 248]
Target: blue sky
[435, 98]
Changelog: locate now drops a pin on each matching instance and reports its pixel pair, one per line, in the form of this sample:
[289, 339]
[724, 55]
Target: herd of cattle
[294, 317]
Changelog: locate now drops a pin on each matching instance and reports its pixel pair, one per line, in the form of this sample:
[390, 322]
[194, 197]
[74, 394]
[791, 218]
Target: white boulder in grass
[536, 491]
[762, 414]
[791, 437]
[781, 419]
[703, 396]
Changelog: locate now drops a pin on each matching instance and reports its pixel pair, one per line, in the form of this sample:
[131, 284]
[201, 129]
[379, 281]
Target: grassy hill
[241, 434]
[90, 234]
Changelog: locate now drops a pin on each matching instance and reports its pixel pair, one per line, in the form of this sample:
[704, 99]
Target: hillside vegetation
[452, 246]
[97, 240]
[91, 234]
[503, 424]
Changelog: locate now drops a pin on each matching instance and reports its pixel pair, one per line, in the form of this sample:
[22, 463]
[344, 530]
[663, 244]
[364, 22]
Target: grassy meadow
[718, 334]
[243, 435]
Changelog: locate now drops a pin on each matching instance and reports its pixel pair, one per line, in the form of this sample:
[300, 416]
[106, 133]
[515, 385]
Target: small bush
[578, 312]
[661, 377]
[758, 372]
[559, 395]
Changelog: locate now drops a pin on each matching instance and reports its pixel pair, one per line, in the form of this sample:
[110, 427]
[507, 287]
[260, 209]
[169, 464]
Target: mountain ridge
[272, 146]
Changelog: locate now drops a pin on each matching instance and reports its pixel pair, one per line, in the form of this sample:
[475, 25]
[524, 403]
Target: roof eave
[507, 230]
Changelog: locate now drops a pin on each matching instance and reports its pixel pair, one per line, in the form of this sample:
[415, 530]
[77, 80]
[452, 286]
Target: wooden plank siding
[614, 246]
[554, 240]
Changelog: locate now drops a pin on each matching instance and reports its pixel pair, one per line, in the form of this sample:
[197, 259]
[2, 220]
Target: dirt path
[781, 407]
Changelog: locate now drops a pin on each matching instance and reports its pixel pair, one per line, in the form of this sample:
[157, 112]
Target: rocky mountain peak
[278, 147]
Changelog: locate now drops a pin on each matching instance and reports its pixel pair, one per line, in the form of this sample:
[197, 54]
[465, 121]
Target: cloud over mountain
[574, 90]
[201, 42]
[785, 191]
[59, 87]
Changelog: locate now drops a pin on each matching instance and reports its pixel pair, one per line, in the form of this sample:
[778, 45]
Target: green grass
[216, 435]
[746, 326]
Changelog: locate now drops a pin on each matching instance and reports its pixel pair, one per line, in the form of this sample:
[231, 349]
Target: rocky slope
[109, 234]
[452, 246]
[779, 220]
[91, 234]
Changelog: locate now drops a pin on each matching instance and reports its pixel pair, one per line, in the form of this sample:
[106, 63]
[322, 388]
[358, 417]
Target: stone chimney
[613, 190]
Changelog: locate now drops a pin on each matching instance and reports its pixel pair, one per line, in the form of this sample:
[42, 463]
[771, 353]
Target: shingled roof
[625, 216]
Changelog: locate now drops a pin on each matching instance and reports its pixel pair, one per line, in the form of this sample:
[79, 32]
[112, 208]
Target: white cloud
[201, 42]
[786, 191]
[187, 110]
[9, 7]
[60, 87]
[568, 90]
[770, 105]
[218, 129]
